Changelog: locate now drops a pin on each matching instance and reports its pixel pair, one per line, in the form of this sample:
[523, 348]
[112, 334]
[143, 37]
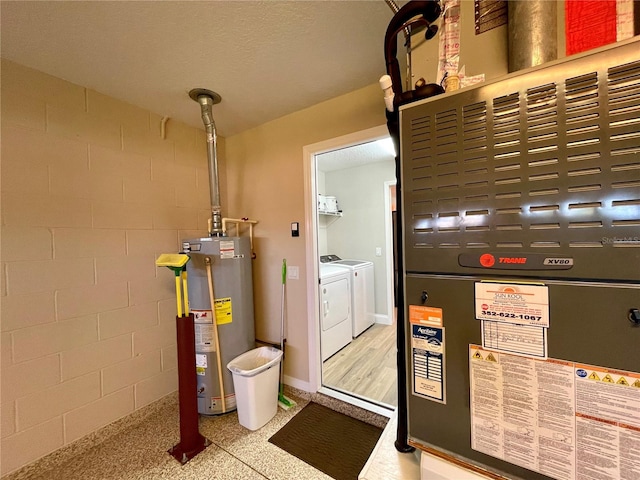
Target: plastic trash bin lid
[255, 361]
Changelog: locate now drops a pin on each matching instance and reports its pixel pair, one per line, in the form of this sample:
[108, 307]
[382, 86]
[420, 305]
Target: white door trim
[388, 230]
[309, 153]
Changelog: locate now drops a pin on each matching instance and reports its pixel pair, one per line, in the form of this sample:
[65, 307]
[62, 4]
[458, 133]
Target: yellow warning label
[636, 384]
[622, 381]
[477, 355]
[607, 378]
[594, 376]
[491, 358]
[223, 310]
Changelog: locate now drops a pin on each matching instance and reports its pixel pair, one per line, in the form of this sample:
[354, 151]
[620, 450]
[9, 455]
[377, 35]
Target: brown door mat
[333, 443]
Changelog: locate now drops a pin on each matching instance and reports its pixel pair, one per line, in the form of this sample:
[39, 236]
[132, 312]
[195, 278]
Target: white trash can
[255, 380]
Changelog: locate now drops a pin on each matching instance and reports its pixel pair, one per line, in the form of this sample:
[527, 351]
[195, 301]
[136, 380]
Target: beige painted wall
[480, 54]
[91, 194]
[265, 169]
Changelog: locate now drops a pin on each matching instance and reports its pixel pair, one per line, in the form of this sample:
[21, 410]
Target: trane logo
[520, 260]
[558, 261]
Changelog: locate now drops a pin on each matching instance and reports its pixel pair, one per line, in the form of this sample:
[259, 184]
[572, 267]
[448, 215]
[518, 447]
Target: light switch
[378, 251]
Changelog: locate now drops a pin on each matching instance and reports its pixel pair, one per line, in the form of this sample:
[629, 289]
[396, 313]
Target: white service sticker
[516, 339]
[205, 335]
[227, 249]
[202, 316]
[229, 400]
[201, 360]
[522, 304]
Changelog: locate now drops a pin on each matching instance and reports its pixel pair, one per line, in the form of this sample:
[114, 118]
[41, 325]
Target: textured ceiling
[356, 155]
[266, 59]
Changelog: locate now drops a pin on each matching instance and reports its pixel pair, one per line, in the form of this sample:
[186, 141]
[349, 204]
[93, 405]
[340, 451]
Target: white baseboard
[299, 384]
[383, 319]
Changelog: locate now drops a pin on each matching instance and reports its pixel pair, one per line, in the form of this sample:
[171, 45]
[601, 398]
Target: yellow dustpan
[177, 262]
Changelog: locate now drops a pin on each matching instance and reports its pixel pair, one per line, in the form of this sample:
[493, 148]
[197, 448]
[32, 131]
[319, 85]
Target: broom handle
[284, 281]
[178, 295]
[282, 340]
[215, 329]
[185, 293]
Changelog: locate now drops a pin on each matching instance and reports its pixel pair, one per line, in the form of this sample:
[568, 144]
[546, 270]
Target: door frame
[309, 153]
[388, 230]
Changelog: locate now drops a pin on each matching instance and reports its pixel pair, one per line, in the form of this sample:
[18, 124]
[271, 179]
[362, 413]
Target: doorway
[349, 192]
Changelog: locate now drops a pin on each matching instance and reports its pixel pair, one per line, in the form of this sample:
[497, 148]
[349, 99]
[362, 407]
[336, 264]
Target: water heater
[230, 261]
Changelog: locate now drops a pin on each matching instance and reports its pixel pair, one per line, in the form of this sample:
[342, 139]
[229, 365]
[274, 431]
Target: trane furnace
[521, 222]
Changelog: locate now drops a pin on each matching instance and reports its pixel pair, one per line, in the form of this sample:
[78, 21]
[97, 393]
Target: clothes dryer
[335, 309]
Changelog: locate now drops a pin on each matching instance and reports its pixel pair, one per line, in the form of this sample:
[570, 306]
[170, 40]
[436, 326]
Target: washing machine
[335, 309]
[363, 302]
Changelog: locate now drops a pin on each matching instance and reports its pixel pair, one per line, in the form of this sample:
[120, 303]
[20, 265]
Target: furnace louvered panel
[545, 165]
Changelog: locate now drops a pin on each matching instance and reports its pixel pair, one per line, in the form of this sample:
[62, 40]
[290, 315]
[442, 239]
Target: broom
[284, 402]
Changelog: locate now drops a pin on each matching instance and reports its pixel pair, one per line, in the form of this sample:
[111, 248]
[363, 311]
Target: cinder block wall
[91, 195]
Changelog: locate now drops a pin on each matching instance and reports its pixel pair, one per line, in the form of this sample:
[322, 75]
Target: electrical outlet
[293, 272]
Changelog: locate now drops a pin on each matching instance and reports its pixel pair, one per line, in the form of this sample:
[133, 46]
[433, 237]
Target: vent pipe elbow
[206, 103]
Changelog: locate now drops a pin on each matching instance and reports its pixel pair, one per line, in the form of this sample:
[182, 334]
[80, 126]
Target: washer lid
[331, 270]
[352, 263]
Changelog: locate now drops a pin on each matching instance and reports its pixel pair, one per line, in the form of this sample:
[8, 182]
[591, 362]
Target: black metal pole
[426, 11]
[401, 360]
[402, 432]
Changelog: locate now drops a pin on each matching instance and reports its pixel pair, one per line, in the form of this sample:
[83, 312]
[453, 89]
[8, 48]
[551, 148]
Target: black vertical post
[402, 432]
[401, 358]
[422, 13]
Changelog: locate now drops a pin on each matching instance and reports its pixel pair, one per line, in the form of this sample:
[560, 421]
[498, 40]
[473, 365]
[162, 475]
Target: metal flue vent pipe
[206, 99]
[532, 32]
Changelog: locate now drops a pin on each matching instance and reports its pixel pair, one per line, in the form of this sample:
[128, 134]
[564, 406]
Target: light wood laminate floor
[366, 367]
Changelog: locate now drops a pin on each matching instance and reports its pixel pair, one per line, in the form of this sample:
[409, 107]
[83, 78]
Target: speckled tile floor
[139, 451]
